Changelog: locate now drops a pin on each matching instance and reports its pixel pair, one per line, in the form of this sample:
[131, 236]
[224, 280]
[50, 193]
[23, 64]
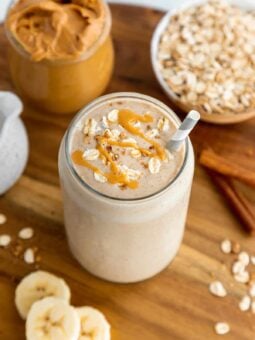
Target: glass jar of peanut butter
[60, 51]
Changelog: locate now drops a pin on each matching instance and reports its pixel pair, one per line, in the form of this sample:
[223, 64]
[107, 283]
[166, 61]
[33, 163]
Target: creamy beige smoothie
[125, 194]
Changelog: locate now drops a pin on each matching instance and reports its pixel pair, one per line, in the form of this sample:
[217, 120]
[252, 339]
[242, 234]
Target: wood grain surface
[173, 305]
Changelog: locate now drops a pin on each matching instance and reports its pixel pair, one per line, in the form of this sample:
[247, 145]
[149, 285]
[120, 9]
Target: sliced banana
[37, 286]
[93, 324]
[52, 319]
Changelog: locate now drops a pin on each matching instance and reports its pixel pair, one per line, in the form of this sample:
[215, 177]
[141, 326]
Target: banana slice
[37, 286]
[52, 319]
[93, 324]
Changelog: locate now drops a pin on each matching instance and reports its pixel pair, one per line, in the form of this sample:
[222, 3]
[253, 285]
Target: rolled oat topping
[206, 56]
[119, 131]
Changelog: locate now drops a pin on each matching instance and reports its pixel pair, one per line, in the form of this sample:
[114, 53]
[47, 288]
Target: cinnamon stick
[215, 162]
[239, 204]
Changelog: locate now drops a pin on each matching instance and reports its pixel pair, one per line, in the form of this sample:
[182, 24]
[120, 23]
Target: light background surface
[160, 4]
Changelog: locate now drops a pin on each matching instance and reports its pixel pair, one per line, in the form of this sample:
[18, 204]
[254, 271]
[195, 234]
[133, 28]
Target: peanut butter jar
[60, 51]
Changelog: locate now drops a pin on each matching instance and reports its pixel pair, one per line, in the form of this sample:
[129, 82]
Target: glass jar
[63, 86]
[124, 240]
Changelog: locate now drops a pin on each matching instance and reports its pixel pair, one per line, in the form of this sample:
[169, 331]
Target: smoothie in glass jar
[125, 195]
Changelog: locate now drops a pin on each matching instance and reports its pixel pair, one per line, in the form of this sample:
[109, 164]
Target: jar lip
[99, 101]
[89, 52]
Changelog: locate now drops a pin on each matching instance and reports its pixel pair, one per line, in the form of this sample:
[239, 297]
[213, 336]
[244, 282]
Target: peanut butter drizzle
[105, 153]
[114, 177]
[126, 118]
[127, 145]
[79, 160]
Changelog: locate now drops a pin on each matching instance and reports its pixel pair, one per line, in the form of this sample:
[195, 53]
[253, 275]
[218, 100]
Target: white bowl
[176, 7]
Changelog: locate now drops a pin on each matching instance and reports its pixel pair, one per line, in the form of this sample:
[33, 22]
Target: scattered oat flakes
[99, 177]
[115, 133]
[137, 124]
[5, 240]
[105, 123]
[90, 127]
[91, 154]
[221, 328]
[26, 233]
[3, 219]
[244, 258]
[226, 246]
[29, 256]
[242, 277]
[154, 165]
[113, 116]
[133, 175]
[129, 140]
[166, 125]
[163, 124]
[135, 153]
[238, 267]
[217, 289]
[152, 133]
[108, 134]
[245, 303]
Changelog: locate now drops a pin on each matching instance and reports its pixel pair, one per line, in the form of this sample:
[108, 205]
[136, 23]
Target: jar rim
[99, 101]
[87, 53]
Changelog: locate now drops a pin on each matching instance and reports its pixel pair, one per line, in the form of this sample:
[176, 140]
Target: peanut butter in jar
[60, 51]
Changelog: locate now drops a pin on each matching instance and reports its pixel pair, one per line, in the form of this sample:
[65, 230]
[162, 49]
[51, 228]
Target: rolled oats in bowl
[206, 57]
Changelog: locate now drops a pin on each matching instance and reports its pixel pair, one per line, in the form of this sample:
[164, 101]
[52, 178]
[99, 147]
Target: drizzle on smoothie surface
[106, 139]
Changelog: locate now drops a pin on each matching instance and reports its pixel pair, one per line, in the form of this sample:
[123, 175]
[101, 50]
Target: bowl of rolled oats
[203, 55]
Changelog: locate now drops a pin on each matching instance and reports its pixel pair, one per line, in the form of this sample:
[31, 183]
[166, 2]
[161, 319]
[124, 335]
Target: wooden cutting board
[175, 304]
